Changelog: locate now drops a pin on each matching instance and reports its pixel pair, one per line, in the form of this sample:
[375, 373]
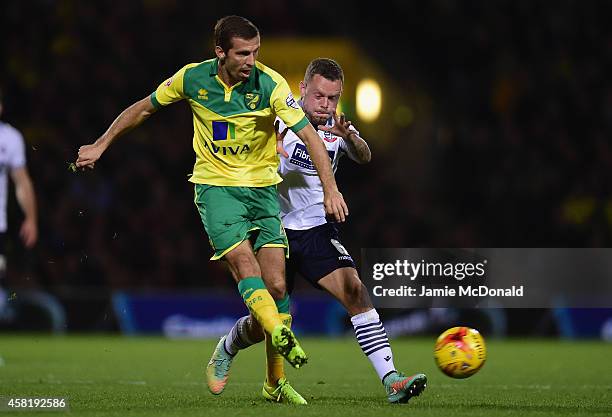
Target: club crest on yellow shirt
[252, 100]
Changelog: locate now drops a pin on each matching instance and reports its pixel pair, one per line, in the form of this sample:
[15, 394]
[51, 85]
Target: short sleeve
[171, 90]
[287, 108]
[16, 151]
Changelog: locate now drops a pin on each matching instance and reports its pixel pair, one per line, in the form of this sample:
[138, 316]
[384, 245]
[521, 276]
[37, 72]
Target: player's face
[239, 60]
[320, 98]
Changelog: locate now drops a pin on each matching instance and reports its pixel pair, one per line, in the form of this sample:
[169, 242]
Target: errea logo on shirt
[202, 94]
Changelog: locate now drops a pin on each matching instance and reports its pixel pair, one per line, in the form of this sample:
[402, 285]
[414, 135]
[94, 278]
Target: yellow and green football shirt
[234, 137]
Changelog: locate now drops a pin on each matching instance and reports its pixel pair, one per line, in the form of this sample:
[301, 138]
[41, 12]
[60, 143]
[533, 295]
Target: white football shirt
[301, 192]
[12, 156]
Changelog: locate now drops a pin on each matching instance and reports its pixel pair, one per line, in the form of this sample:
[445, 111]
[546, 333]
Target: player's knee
[244, 265]
[356, 297]
[354, 289]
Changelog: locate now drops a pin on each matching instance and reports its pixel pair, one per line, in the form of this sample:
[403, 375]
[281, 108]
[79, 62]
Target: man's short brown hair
[325, 67]
[229, 27]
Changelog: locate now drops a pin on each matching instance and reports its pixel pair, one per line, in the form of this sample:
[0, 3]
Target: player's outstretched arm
[126, 121]
[333, 200]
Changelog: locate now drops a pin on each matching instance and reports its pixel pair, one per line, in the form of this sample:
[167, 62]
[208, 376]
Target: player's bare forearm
[333, 201]
[126, 121]
[319, 156]
[359, 151]
[24, 193]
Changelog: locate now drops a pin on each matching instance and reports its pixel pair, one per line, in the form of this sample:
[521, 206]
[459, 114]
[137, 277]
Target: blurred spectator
[13, 163]
[33, 308]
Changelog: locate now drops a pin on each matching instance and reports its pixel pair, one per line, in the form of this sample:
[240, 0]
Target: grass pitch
[116, 376]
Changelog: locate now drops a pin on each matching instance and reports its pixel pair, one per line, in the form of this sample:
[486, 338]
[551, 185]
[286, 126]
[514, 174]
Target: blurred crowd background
[508, 143]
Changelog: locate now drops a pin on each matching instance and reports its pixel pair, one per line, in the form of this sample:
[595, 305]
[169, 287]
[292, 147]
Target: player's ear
[302, 89]
[219, 52]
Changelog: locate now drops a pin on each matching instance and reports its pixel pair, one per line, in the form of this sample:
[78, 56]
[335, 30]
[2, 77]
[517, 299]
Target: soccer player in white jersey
[13, 163]
[315, 248]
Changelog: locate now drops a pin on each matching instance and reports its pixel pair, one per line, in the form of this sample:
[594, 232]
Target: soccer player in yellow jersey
[234, 100]
[316, 251]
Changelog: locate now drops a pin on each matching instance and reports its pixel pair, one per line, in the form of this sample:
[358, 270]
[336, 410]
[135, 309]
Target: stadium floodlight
[369, 98]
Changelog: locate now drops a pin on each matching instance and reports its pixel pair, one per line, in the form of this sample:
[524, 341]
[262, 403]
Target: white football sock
[372, 339]
[237, 338]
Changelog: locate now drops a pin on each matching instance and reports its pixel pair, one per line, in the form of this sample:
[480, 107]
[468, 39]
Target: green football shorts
[232, 215]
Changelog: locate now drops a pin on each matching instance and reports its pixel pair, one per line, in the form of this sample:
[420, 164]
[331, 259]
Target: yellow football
[460, 352]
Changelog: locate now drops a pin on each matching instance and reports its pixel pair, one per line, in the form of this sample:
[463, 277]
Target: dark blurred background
[500, 135]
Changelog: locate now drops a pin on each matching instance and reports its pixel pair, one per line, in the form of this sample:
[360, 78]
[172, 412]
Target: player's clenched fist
[88, 155]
